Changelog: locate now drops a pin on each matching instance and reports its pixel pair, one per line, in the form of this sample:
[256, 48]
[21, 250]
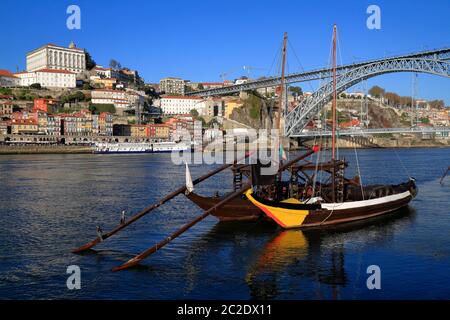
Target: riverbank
[44, 149]
[382, 142]
[342, 144]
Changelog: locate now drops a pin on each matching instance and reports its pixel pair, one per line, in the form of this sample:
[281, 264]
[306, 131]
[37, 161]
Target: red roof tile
[6, 73]
[55, 71]
[182, 97]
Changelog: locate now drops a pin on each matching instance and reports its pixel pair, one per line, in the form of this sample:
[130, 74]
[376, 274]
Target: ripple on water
[52, 203]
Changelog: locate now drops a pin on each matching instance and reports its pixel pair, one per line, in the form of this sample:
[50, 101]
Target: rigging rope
[401, 162]
[278, 52]
[359, 172]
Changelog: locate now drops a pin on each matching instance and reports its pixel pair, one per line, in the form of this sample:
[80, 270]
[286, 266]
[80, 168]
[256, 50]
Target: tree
[150, 91]
[202, 120]
[297, 90]
[90, 63]
[97, 108]
[436, 104]
[113, 64]
[376, 92]
[6, 91]
[36, 86]
[73, 97]
[200, 86]
[87, 86]
[194, 113]
[393, 98]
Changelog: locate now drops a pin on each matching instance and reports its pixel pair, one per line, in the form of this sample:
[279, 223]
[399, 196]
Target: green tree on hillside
[36, 86]
[376, 92]
[90, 63]
[194, 113]
[114, 64]
[97, 108]
[296, 90]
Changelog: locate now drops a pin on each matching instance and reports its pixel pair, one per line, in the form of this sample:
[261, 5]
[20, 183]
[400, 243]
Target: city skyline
[199, 41]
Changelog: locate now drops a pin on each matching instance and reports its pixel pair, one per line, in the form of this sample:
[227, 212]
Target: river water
[50, 204]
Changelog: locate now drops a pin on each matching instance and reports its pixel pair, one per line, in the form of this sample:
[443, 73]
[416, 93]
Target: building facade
[119, 98]
[105, 124]
[45, 105]
[8, 79]
[176, 105]
[49, 78]
[107, 83]
[51, 56]
[172, 86]
[139, 130]
[158, 131]
[24, 126]
[6, 108]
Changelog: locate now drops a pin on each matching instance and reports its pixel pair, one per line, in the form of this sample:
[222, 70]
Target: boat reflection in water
[313, 262]
[259, 260]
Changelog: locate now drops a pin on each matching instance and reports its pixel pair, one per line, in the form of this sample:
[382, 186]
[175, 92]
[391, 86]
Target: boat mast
[333, 141]
[283, 64]
[280, 108]
[333, 121]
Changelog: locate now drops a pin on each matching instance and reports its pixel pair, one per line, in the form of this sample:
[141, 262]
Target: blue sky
[199, 39]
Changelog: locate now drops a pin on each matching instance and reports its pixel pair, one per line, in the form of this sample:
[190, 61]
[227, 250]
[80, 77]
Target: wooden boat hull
[239, 209]
[290, 215]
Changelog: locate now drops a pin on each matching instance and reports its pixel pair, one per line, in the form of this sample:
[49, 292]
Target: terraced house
[24, 126]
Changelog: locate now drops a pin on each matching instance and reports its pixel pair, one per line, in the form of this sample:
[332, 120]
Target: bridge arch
[297, 119]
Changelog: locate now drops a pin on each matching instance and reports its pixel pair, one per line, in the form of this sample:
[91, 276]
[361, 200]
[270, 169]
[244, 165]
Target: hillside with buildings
[64, 93]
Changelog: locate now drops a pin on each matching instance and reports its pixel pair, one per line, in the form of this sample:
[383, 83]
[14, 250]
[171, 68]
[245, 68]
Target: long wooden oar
[152, 207]
[295, 160]
[134, 261]
[444, 175]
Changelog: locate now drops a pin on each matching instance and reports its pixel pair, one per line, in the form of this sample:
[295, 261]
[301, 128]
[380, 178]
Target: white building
[51, 56]
[172, 86]
[241, 80]
[8, 79]
[49, 78]
[173, 105]
[106, 72]
[119, 98]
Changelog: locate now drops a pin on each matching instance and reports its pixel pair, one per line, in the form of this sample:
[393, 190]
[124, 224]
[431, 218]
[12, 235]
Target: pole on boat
[151, 207]
[333, 115]
[134, 261]
[297, 159]
[280, 108]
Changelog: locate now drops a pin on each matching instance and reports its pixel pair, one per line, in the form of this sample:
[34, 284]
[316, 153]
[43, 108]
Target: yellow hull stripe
[286, 218]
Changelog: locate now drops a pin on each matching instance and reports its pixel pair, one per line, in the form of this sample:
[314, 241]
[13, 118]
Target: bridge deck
[364, 132]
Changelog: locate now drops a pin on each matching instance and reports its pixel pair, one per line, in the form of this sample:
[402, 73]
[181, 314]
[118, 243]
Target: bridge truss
[297, 119]
[367, 132]
[318, 74]
[432, 62]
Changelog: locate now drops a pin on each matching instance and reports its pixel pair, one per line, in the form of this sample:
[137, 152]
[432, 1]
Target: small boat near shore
[142, 147]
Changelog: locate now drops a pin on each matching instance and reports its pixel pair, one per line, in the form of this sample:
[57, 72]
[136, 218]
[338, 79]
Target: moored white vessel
[141, 147]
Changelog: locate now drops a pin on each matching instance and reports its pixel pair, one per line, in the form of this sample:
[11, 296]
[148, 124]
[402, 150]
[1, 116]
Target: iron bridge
[368, 132]
[432, 62]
